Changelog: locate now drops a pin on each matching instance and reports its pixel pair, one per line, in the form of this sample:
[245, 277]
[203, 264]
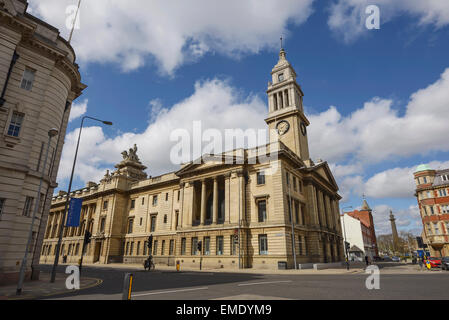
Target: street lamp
[344, 229]
[51, 133]
[61, 227]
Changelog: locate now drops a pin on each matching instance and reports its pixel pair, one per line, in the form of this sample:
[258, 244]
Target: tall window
[28, 79]
[155, 248]
[165, 218]
[154, 201]
[262, 210]
[153, 223]
[131, 251]
[105, 205]
[179, 194]
[300, 245]
[443, 193]
[206, 246]
[287, 177]
[261, 178]
[445, 209]
[166, 196]
[234, 243]
[263, 244]
[2, 204]
[130, 225]
[171, 249]
[143, 201]
[163, 247]
[183, 246]
[295, 186]
[445, 177]
[425, 180]
[15, 124]
[102, 224]
[219, 245]
[27, 206]
[138, 248]
[431, 210]
[133, 204]
[194, 246]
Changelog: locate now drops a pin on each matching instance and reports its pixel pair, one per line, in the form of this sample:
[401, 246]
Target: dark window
[219, 246]
[263, 244]
[27, 206]
[133, 204]
[206, 246]
[102, 224]
[179, 194]
[155, 248]
[194, 246]
[141, 220]
[143, 201]
[153, 223]
[138, 248]
[261, 178]
[154, 201]
[171, 248]
[166, 197]
[130, 225]
[28, 79]
[183, 246]
[2, 204]
[165, 218]
[105, 205]
[15, 124]
[262, 210]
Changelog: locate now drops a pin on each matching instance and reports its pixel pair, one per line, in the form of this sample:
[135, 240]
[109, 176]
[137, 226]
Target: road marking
[170, 291]
[256, 283]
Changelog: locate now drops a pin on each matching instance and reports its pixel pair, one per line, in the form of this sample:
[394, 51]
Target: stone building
[432, 193]
[240, 206]
[39, 79]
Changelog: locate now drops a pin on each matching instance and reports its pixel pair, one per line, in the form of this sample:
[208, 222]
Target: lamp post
[344, 229]
[61, 227]
[51, 133]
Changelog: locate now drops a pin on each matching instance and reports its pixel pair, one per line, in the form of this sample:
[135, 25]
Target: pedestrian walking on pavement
[367, 260]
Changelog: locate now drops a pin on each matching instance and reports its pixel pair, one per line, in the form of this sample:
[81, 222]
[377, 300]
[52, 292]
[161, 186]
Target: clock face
[282, 127]
[303, 129]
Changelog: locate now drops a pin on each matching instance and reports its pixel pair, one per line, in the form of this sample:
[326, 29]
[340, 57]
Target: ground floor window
[171, 248]
[219, 245]
[155, 248]
[183, 246]
[206, 246]
[194, 251]
[234, 243]
[263, 244]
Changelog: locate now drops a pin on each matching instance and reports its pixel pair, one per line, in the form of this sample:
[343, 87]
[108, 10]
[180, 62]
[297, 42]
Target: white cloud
[172, 33]
[377, 133]
[348, 17]
[215, 102]
[78, 109]
[397, 182]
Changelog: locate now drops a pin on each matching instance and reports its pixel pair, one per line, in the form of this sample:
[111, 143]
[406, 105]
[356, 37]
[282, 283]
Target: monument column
[215, 202]
[203, 202]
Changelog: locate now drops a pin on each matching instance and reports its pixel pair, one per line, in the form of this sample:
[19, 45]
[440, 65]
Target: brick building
[432, 193]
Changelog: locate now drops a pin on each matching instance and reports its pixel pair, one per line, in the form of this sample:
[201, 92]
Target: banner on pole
[74, 214]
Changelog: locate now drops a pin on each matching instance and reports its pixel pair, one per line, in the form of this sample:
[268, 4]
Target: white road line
[171, 291]
[256, 283]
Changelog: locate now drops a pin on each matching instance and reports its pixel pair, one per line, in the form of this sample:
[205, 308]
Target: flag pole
[74, 21]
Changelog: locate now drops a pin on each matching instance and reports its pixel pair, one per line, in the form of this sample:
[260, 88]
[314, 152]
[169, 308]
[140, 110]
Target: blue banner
[73, 216]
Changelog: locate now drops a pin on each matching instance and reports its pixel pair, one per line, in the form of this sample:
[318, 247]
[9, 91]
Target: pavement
[43, 288]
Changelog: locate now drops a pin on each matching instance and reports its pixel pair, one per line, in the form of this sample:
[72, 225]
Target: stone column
[203, 202]
[215, 202]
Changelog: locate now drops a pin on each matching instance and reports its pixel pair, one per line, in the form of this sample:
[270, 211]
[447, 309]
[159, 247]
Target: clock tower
[286, 118]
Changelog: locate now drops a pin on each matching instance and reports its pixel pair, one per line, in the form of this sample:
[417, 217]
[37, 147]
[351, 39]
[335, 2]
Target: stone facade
[432, 193]
[39, 79]
[238, 208]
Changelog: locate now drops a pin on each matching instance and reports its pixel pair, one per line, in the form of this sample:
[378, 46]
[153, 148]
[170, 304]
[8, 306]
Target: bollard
[127, 286]
[178, 265]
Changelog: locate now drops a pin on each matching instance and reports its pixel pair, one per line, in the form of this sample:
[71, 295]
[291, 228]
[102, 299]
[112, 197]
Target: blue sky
[376, 99]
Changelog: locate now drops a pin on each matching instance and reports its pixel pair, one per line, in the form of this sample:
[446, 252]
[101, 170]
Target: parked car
[386, 258]
[396, 259]
[434, 262]
[445, 263]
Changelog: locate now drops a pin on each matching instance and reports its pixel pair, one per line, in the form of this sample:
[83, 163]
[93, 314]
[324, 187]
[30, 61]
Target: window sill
[11, 140]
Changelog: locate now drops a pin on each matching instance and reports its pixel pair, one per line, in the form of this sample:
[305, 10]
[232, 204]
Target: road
[170, 285]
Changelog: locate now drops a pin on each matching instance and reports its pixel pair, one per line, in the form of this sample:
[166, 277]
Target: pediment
[325, 172]
[206, 163]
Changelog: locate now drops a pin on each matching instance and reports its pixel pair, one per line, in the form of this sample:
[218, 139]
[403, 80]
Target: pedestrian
[421, 263]
[367, 260]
